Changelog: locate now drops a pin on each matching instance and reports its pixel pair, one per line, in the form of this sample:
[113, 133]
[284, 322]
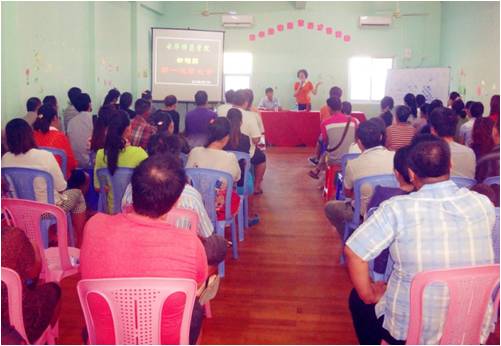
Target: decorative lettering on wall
[301, 24]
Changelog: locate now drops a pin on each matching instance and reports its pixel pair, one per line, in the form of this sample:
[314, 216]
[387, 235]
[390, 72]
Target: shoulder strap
[330, 150]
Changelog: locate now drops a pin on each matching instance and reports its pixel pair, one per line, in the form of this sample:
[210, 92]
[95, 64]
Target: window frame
[371, 102]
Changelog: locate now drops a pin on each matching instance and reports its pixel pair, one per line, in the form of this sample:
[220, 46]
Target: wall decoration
[252, 37]
[261, 34]
[320, 27]
[328, 30]
[300, 23]
[271, 31]
[310, 25]
[339, 34]
[347, 38]
[280, 27]
[290, 25]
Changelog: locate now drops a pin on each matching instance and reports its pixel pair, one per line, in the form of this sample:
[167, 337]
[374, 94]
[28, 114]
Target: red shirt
[303, 96]
[57, 139]
[129, 245]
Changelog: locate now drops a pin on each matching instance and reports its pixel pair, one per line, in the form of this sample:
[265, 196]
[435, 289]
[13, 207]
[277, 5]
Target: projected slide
[185, 61]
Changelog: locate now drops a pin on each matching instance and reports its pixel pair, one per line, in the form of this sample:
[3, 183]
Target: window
[368, 78]
[237, 70]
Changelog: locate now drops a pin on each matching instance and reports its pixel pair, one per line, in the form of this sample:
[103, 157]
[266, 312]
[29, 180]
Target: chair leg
[241, 217]
[71, 231]
[234, 239]
[208, 310]
[220, 231]
[246, 211]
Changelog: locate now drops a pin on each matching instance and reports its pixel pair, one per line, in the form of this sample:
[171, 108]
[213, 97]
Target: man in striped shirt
[400, 133]
[439, 226]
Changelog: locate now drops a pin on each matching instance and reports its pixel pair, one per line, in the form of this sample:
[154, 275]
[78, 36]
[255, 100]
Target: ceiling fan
[398, 14]
[207, 13]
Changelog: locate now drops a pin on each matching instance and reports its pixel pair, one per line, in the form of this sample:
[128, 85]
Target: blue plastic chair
[339, 186]
[184, 158]
[387, 180]
[492, 180]
[64, 160]
[118, 182]
[243, 213]
[463, 182]
[21, 183]
[206, 182]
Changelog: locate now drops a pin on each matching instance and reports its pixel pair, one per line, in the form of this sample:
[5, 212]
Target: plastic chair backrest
[184, 158]
[60, 156]
[492, 180]
[386, 180]
[247, 165]
[136, 305]
[183, 218]
[206, 181]
[15, 299]
[345, 159]
[470, 290]
[463, 181]
[27, 215]
[334, 135]
[22, 182]
[118, 181]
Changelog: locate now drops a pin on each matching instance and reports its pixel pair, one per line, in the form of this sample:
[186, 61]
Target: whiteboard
[433, 83]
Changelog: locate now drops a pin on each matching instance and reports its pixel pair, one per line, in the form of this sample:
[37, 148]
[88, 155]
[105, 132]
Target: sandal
[314, 174]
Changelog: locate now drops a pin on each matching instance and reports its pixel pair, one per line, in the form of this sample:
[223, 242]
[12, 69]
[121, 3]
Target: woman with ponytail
[117, 151]
[46, 134]
[214, 157]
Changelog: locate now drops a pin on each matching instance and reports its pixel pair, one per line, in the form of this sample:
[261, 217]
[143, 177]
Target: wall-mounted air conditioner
[237, 21]
[374, 22]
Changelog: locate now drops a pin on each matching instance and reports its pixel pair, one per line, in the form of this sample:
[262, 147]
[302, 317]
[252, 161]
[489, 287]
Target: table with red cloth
[291, 128]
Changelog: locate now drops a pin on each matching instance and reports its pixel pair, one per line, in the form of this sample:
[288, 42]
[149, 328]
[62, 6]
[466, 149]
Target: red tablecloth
[291, 128]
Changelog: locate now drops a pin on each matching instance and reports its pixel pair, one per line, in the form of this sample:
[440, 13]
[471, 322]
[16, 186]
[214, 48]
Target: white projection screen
[185, 61]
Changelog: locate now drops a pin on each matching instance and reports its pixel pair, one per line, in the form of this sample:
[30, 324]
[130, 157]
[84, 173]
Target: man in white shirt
[80, 130]
[268, 102]
[374, 160]
[465, 132]
[223, 109]
[443, 122]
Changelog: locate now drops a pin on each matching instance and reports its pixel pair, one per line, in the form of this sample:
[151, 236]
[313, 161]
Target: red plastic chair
[470, 291]
[360, 116]
[57, 262]
[136, 305]
[15, 298]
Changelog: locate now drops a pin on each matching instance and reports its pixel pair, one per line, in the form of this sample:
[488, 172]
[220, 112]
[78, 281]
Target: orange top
[57, 139]
[303, 96]
[325, 113]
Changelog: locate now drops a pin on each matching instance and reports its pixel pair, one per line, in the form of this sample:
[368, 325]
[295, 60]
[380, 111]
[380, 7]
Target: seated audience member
[410, 101]
[346, 108]
[51, 100]
[488, 164]
[170, 103]
[386, 110]
[401, 132]
[269, 102]
[140, 244]
[481, 137]
[24, 154]
[494, 111]
[325, 112]
[141, 129]
[40, 301]
[465, 132]
[453, 96]
[104, 116]
[422, 121]
[46, 134]
[163, 122]
[125, 103]
[420, 100]
[250, 107]
[449, 215]
[214, 157]
[117, 151]
[443, 124]
[70, 112]
[111, 98]
[250, 127]
[146, 95]
[331, 134]
[32, 106]
[239, 142]
[374, 160]
[223, 109]
[170, 147]
[493, 195]
[80, 129]
[197, 121]
[464, 116]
